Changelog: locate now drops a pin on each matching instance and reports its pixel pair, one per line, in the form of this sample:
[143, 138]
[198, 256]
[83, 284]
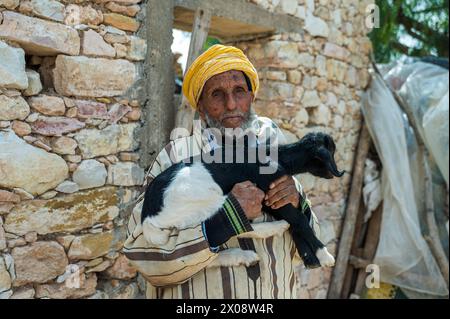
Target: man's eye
[216, 94]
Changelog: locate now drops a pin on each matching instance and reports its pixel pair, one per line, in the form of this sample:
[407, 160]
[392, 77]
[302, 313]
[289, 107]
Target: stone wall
[312, 81]
[68, 151]
[71, 92]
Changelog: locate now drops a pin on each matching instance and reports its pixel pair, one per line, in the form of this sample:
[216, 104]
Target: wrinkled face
[225, 100]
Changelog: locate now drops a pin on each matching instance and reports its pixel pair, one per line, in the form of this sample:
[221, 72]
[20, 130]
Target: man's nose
[230, 103]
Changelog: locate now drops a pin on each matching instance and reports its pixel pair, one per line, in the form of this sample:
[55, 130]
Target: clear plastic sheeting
[424, 89]
[403, 256]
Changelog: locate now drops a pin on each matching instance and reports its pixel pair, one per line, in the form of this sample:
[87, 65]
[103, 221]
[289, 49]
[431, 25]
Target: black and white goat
[188, 193]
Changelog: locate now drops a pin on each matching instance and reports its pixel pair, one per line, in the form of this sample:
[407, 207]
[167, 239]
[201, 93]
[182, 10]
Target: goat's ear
[326, 156]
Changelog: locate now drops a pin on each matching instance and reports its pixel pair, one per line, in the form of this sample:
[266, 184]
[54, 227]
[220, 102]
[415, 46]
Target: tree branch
[428, 32]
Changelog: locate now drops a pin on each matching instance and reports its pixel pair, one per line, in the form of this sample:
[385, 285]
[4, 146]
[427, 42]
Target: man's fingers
[280, 186]
[278, 181]
[278, 196]
[282, 202]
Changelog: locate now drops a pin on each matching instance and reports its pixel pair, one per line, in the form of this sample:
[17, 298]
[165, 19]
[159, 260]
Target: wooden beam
[244, 11]
[185, 114]
[158, 112]
[345, 241]
[358, 262]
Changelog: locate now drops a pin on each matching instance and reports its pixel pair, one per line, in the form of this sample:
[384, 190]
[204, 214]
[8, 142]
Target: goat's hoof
[325, 258]
[310, 261]
[154, 234]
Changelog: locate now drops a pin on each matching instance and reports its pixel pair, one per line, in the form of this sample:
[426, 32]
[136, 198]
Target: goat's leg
[304, 250]
[311, 249]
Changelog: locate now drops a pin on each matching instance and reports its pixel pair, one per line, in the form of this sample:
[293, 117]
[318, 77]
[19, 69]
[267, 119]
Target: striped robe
[178, 269]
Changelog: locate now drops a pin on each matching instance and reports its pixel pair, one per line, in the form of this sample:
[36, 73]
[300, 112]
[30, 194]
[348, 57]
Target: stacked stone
[68, 151]
[313, 81]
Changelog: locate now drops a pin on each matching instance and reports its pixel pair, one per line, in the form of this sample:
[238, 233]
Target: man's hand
[282, 192]
[249, 197]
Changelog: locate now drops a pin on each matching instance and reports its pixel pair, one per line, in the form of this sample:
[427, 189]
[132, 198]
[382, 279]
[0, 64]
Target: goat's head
[313, 154]
[320, 158]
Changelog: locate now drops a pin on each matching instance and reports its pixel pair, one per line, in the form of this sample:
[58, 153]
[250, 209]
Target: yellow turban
[217, 59]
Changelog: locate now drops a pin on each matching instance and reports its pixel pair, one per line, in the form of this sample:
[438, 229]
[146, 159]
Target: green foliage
[411, 27]
[210, 41]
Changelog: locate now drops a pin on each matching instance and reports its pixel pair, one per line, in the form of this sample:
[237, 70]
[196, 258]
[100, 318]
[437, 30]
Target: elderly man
[221, 85]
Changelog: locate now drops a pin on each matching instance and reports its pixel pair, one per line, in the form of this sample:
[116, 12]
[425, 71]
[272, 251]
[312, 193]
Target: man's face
[225, 100]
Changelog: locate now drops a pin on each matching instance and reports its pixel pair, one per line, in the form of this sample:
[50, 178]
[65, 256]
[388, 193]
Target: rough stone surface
[90, 109]
[68, 187]
[92, 246]
[64, 145]
[92, 44]
[76, 15]
[335, 51]
[285, 54]
[90, 174]
[121, 22]
[9, 4]
[137, 49]
[65, 213]
[117, 112]
[39, 37]
[82, 76]
[48, 105]
[289, 6]
[127, 10]
[327, 231]
[23, 293]
[5, 278]
[2, 237]
[28, 167]
[122, 269]
[134, 114]
[113, 139]
[21, 128]
[38, 262]
[310, 99]
[49, 9]
[56, 126]
[6, 196]
[125, 174]
[13, 108]
[12, 67]
[79, 287]
[34, 83]
[24, 195]
[316, 26]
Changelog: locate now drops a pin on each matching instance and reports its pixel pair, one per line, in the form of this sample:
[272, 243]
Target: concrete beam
[159, 115]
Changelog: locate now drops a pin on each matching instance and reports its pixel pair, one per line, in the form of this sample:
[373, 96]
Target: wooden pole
[370, 246]
[356, 251]
[349, 222]
[185, 114]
